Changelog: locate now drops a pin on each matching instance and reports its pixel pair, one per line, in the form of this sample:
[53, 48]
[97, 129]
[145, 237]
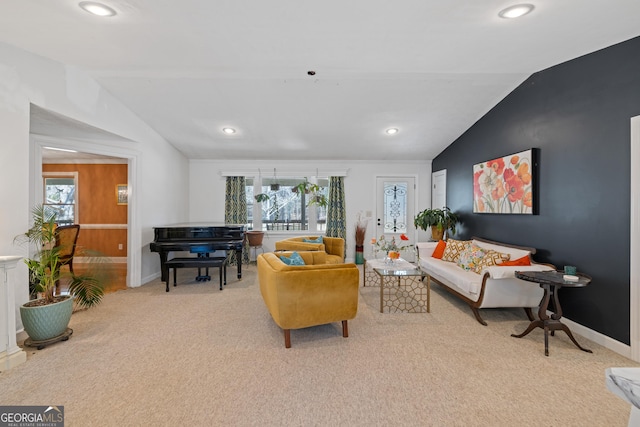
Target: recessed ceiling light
[228, 131]
[516, 11]
[391, 131]
[97, 8]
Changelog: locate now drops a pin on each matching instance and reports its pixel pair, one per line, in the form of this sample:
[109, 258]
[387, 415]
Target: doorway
[81, 188]
[439, 189]
[395, 210]
[50, 129]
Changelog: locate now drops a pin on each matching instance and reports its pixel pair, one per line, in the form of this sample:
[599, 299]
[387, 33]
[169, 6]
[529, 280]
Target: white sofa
[494, 287]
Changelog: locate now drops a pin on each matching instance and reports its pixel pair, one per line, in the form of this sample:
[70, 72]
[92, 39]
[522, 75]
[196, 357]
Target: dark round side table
[551, 282]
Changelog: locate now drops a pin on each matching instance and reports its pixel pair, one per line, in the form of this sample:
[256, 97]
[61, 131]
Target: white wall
[162, 171]
[207, 188]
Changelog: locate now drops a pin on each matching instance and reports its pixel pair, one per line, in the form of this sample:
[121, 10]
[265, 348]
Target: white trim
[634, 253]
[285, 172]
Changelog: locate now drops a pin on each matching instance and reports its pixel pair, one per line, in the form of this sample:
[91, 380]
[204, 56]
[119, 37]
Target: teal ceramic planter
[48, 321]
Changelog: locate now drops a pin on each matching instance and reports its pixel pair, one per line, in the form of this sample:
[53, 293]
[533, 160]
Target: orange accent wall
[97, 205]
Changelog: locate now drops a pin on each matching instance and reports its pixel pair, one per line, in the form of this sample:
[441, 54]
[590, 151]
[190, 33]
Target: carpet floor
[203, 357]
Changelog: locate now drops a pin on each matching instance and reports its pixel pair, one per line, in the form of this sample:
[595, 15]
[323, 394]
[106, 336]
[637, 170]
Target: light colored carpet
[200, 356]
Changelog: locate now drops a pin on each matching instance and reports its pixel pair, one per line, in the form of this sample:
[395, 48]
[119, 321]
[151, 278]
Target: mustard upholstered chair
[308, 295]
[333, 246]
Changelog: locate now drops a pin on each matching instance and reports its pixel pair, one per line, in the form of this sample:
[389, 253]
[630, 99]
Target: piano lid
[200, 225]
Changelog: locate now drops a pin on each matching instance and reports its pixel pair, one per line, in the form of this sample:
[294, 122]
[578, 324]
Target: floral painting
[504, 185]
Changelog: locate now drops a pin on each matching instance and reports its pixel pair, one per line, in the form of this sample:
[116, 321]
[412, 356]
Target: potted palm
[440, 221]
[46, 319]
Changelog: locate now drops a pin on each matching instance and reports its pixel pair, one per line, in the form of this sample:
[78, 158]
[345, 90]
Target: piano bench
[200, 262]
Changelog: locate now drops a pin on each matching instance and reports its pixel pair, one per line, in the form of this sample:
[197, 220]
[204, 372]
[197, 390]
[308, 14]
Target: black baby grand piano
[198, 238]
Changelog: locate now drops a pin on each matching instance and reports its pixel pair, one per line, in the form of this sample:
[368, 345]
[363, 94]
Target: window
[60, 195]
[283, 209]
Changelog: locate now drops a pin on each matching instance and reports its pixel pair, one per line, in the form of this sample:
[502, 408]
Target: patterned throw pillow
[454, 248]
[490, 258]
[294, 259]
[470, 258]
[316, 240]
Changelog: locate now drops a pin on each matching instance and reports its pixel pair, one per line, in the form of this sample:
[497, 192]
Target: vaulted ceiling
[429, 68]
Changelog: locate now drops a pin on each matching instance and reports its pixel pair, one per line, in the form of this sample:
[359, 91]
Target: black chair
[65, 243]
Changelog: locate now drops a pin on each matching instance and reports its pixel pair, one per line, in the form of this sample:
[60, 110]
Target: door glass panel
[395, 207]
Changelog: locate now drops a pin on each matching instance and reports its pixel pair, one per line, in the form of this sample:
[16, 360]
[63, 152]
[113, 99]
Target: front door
[395, 210]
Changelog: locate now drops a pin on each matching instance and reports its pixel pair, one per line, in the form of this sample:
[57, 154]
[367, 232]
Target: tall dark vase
[359, 254]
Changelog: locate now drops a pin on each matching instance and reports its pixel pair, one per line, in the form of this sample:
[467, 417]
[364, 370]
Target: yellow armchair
[333, 246]
[308, 295]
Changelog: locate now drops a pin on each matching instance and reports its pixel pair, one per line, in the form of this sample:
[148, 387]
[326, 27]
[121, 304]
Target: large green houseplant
[316, 197]
[39, 316]
[440, 221]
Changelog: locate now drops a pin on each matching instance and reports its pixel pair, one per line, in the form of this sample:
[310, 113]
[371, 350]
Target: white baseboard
[598, 338]
[11, 360]
[149, 278]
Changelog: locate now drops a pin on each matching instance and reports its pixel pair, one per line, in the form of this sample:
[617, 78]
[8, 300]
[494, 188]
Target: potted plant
[439, 220]
[46, 319]
[274, 209]
[314, 191]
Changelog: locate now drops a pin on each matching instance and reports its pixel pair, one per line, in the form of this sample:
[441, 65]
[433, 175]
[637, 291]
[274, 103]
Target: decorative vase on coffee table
[393, 256]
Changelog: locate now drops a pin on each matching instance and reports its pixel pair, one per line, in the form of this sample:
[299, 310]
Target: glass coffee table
[402, 288]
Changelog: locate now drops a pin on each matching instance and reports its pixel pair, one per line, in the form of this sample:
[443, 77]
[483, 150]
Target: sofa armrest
[425, 249]
[509, 272]
[334, 246]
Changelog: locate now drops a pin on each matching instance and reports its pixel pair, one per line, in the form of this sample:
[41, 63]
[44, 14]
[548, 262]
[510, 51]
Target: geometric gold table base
[406, 294]
[370, 277]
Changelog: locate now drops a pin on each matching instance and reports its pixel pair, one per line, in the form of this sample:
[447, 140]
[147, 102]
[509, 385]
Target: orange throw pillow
[520, 261]
[439, 250]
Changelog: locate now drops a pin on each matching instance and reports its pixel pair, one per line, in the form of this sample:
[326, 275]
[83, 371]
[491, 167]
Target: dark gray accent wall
[577, 114]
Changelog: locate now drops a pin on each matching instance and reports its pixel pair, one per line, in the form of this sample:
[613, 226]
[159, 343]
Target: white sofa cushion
[466, 281]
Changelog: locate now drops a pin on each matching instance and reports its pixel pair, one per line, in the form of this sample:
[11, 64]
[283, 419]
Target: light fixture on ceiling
[60, 149]
[97, 8]
[516, 11]
[391, 131]
[229, 131]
